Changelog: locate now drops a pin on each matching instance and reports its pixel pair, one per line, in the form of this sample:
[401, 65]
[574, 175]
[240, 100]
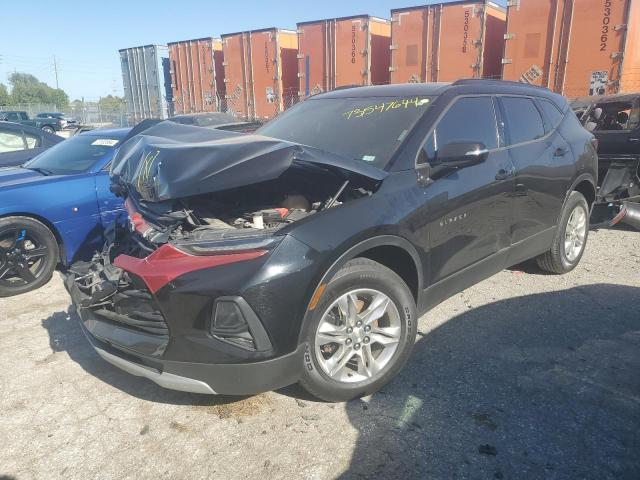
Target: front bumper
[227, 379]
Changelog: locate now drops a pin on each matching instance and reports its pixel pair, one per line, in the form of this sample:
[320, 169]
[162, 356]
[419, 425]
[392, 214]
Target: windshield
[369, 129]
[75, 155]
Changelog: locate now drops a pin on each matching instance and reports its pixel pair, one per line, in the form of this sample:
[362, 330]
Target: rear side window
[470, 119]
[523, 119]
[10, 142]
[554, 116]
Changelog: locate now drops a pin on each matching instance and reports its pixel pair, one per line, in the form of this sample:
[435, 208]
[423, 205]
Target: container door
[238, 95]
[531, 41]
[594, 49]
[460, 30]
[266, 85]
[313, 59]
[350, 59]
[409, 46]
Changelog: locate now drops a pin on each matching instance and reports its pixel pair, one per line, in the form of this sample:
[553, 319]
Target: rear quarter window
[551, 112]
[522, 119]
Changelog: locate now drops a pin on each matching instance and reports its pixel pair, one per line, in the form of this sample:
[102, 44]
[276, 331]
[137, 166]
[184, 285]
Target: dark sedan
[19, 143]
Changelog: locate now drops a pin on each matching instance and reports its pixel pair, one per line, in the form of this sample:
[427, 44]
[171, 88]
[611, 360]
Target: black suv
[308, 251]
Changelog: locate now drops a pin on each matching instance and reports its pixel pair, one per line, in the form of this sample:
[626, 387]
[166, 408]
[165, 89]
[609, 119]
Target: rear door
[544, 166]
[469, 209]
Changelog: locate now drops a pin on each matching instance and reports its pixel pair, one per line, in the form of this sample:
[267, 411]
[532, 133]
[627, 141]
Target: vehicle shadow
[538, 386]
[65, 335]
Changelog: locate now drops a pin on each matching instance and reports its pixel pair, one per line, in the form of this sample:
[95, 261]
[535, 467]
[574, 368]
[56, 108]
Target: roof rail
[493, 81]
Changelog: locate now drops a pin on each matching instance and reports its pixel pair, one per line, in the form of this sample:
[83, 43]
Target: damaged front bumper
[165, 337]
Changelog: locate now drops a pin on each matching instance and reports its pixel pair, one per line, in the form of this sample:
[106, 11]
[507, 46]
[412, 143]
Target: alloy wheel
[575, 233]
[22, 257]
[358, 335]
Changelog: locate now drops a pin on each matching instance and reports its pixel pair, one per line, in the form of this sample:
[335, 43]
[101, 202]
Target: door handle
[504, 173]
[560, 152]
[634, 140]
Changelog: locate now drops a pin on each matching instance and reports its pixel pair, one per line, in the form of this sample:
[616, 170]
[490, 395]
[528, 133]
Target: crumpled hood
[170, 161]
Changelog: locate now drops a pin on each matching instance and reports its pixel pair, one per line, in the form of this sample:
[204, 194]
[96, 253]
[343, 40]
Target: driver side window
[469, 119]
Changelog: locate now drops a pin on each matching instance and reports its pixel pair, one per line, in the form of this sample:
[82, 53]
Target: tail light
[168, 263]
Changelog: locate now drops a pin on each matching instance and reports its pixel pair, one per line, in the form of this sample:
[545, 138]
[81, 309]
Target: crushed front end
[205, 288]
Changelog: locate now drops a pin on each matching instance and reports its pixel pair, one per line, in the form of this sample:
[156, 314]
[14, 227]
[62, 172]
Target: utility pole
[55, 69]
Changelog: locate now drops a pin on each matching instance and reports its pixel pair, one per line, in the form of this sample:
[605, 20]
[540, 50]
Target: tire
[25, 245]
[558, 259]
[48, 129]
[367, 284]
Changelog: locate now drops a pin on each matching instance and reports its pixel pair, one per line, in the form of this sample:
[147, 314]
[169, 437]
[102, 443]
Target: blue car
[53, 209]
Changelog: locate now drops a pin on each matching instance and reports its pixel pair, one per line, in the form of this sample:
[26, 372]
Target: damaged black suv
[307, 251]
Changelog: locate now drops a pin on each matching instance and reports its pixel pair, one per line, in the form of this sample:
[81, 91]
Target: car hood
[16, 176]
[169, 161]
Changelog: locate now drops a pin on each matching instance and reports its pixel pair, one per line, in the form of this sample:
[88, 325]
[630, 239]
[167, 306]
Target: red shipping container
[261, 72]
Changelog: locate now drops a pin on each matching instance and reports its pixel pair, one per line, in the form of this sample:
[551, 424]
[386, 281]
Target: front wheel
[361, 332]
[571, 237]
[28, 255]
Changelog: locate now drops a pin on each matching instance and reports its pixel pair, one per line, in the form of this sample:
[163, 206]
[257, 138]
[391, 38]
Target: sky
[85, 36]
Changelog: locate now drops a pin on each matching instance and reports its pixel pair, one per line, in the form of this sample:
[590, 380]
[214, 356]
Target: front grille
[133, 308]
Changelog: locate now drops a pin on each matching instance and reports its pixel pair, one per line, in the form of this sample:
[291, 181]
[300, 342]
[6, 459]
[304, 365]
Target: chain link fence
[91, 114]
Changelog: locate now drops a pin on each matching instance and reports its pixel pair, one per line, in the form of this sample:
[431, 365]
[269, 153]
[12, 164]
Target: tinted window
[470, 119]
[523, 119]
[32, 140]
[554, 116]
[10, 142]
[74, 155]
[369, 129]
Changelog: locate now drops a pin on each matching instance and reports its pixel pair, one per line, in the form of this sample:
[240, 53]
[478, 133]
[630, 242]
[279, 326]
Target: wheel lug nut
[358, 323]
[365, 340]
[357, 346]
[348, 341]
[367, 328]
[349, 330]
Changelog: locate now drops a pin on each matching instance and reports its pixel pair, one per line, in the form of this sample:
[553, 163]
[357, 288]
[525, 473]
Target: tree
[111, 104]
[4, 95]
[26, 88]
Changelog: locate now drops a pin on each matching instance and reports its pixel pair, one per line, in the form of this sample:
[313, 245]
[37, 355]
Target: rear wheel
[48, 129]
[361, 332]
[571, 237]
[28, 255]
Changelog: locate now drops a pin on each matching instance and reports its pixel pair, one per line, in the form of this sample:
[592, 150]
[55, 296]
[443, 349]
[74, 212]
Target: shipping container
[447, 41]
[574, 47]
[261, 72]
[146, 80]
[197, 75]
[343, 51]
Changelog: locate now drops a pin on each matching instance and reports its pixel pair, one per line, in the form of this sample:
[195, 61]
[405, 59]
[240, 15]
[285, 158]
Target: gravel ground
[523, 376]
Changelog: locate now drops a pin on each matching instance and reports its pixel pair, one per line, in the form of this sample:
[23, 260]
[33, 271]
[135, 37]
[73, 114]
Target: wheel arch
[407, 264]
[62, 258]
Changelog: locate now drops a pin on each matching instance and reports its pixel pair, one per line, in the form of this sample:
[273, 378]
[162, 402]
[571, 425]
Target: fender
[580, 178]
[351, 253]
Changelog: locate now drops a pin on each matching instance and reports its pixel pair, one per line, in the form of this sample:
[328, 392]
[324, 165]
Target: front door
[469, 209]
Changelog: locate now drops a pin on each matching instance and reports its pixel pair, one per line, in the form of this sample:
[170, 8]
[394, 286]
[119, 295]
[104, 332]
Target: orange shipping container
[343, 51]
[574, 47]
[261, 72]
[197, 75]
[446, 42]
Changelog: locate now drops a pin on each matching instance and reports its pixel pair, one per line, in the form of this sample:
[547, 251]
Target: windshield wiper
[43, 171]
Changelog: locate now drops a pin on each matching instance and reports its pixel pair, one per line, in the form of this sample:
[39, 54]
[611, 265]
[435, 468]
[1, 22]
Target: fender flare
[351, 253]
[579, 179]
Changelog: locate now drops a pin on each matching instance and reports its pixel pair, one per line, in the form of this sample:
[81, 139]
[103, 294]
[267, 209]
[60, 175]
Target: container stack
[343, 51]
[445, 42]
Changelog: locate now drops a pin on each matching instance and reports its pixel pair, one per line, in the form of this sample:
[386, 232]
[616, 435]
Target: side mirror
[462, 154]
